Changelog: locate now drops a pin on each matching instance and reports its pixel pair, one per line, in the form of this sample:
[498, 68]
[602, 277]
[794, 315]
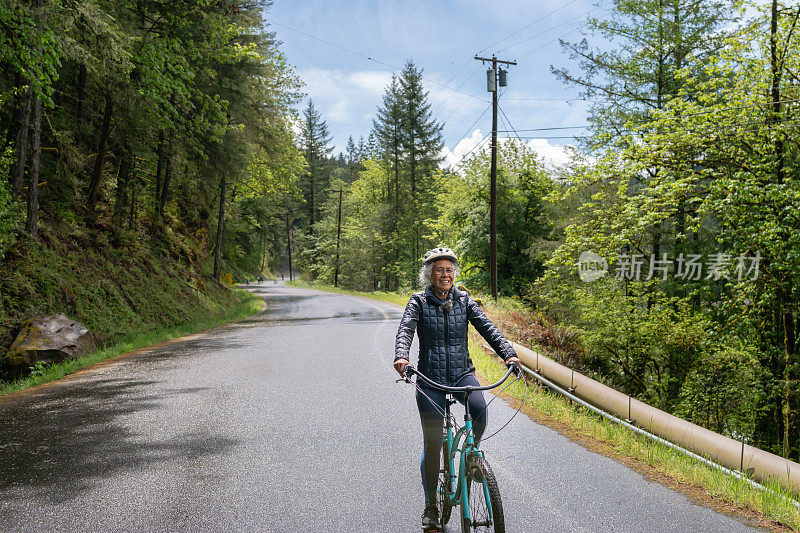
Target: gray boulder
[49, 339]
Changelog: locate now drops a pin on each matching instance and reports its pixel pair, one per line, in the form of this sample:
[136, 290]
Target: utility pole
[338, 237]
[491, 86]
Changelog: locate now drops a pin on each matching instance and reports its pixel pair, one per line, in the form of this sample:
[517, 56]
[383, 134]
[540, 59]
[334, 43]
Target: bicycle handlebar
[410, 370]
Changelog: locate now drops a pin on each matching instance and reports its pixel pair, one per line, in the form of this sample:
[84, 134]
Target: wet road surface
[288, 421]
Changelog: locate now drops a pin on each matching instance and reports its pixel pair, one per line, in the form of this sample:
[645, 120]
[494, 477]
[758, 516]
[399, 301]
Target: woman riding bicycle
[440, 315]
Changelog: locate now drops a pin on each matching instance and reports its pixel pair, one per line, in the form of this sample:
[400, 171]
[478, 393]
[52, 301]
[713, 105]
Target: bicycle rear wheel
[443, 489]
[480, 475]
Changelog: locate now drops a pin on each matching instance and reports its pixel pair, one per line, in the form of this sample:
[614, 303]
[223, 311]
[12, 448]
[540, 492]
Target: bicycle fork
[469, 453]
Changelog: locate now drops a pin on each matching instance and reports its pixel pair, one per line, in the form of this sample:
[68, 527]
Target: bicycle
[475, 487]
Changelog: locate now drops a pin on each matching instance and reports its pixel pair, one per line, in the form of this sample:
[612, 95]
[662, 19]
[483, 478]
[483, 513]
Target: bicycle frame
[469, 449]
[459, 497]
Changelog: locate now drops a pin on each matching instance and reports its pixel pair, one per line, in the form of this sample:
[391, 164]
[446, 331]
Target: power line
[475, 150]
[526, 26]
[508, 121]
[545, 129]
[598, 6]
[457, 108]
[732, 128]
[547, 43]
[541, 137]
[454, 77]
[472, 126]
[556, 100]
[444, 120]
[647, 121]
[334, 45]
[359, 54]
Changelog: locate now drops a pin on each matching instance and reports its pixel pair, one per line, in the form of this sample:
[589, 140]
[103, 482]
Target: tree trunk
[132, 213]
[159, 171]
[780, 171]
[262, 241]
[80, 90]
[313, 208]
[32, 222]
[413, 169]
[100, 158]
[123, 180]
[789, 348]
[21, 145]
[220, 228]
[162, 199]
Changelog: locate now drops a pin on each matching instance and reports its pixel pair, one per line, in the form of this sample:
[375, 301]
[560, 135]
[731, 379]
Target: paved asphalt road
[289, 421]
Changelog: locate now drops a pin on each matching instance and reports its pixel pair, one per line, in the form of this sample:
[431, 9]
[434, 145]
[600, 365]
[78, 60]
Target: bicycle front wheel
[443, 490]
[485, 516]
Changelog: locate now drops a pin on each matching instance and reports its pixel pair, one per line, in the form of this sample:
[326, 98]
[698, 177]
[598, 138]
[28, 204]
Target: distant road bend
[288, 421]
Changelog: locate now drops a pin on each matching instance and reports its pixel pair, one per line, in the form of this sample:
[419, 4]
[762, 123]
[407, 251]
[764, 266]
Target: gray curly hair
[426, 272]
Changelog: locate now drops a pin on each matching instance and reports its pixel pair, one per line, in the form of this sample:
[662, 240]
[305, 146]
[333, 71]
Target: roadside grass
[391, 297]
[771, 508]
[706, 484]
[245, 304]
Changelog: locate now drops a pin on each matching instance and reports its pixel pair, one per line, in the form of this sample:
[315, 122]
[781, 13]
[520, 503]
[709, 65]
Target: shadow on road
[58, 443]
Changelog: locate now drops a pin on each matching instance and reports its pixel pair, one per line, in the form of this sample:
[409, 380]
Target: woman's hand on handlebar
[400, 366]
[515, 361]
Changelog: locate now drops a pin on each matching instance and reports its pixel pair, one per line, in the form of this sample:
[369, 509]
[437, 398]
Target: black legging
[432, 424]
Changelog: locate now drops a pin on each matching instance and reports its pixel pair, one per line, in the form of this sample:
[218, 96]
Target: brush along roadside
[772, 508]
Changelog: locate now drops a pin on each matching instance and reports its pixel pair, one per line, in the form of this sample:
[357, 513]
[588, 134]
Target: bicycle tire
[479, 473]
[443, 490]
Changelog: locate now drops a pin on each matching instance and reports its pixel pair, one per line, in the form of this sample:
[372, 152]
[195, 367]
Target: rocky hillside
[109, 281]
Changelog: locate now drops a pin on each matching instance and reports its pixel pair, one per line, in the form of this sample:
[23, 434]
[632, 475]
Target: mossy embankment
[128, 290]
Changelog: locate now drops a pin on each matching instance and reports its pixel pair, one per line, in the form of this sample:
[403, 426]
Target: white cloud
[374, 81]
[343, 97]
[464, 147]
[554, 155]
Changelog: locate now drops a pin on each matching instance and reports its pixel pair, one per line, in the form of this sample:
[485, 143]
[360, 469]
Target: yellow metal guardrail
[737, 457]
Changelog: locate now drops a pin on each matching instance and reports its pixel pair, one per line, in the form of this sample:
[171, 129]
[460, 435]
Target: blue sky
[441, 37]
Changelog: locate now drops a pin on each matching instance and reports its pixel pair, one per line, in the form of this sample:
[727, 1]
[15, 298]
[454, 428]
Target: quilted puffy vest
[443, 347]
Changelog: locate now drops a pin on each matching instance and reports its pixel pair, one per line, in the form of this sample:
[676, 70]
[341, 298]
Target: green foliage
[710, 169]
[10, 214]
[390, 211]
[649, 43]
[363, 248]
[29, 46]
[645, 348]
[721, 392]
[523, 225]
[38, 370]
[112, 290]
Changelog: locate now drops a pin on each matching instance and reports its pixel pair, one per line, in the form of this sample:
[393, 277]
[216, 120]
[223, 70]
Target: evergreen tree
[362, 149]
[315, 144]
[421, 136]
[371, 149]
[352, 151]
[388, 130]
[422, 144]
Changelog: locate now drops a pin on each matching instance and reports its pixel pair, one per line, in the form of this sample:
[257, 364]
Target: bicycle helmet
[439, 253]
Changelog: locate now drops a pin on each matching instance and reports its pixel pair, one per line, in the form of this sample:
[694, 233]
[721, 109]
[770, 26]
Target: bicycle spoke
[485, 506]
